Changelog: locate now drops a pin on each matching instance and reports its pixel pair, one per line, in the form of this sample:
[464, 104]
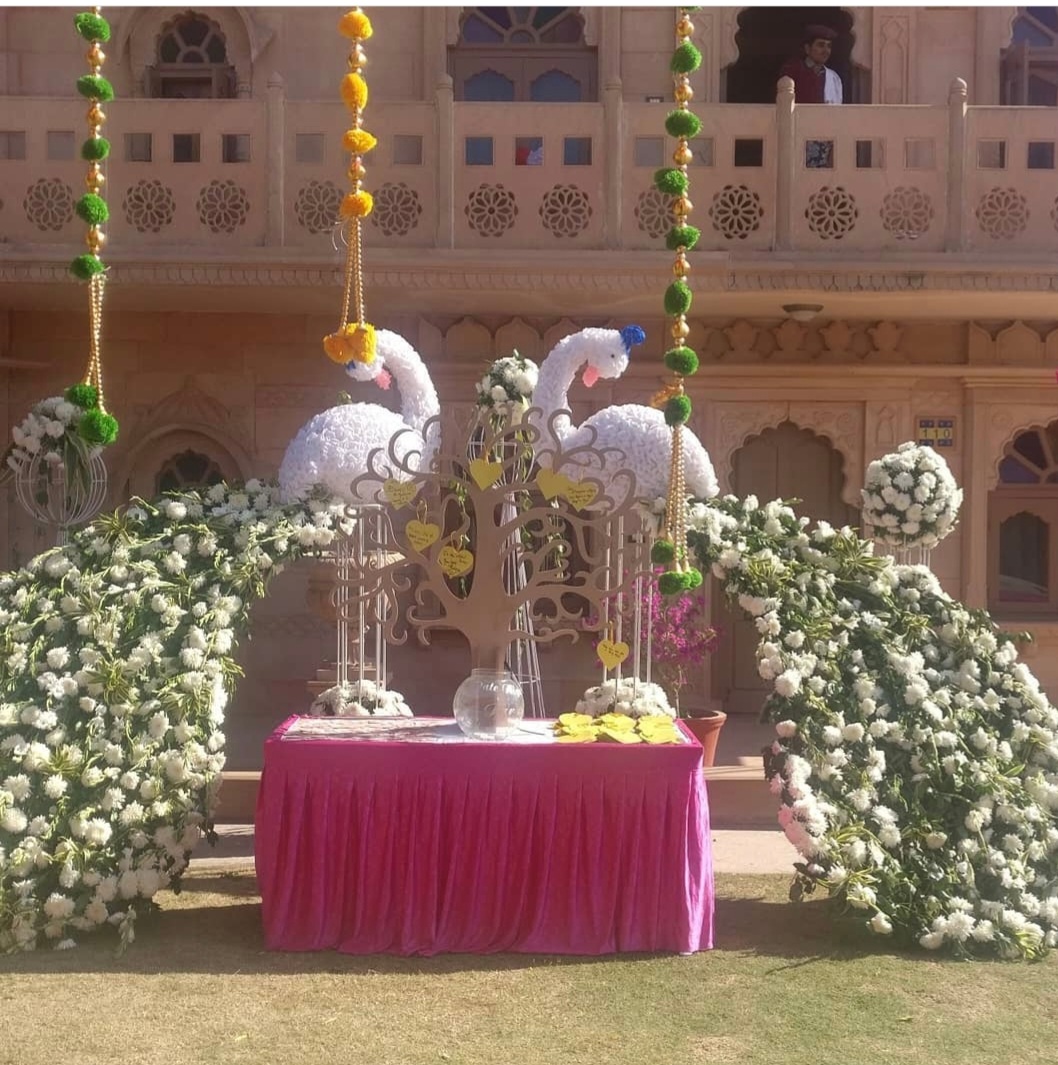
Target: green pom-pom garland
[682, 124]
[92, 209]
[95, 149]
[682, 237]
[672, 583]
[683, 361]
[662, 552]
[693, 578]
[82, 395]
[98, 428]
[92, 27]
[86, 266]
[677, 410]
[671, 181]
[677, 299]
[685, 59]
[95, 87]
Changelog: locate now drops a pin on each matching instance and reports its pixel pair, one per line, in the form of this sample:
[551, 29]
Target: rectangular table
[401, 836]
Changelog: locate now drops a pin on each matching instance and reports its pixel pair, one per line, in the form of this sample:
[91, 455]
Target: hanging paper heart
[454, 561]
[485, 473]
[612, 653]
[421, 534]
[581, 494]
[399, 493]
[552, 484]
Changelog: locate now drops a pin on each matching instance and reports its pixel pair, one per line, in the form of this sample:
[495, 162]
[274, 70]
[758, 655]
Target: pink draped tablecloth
[410, 839]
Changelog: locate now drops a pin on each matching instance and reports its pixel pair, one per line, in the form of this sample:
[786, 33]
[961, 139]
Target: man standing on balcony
[815, 83]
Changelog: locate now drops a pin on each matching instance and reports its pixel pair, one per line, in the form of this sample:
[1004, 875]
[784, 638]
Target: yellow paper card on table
[399, 493]
[580, 494]
[617, 721]
[612, 653]
[619, 735]
[454, 561]
[580, 736]
[485, 473]
[574, 720]
[421, 534]
[552, 484]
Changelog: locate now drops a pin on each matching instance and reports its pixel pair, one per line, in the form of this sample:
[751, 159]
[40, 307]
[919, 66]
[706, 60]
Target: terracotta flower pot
[706, 729]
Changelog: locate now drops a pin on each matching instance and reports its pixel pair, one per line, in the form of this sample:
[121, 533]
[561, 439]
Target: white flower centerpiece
[360, 698]
[910, 498]
[67, 429]
[629, 695]
[507, 388]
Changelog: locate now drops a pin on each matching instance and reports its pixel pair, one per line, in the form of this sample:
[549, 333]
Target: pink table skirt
[410, 847]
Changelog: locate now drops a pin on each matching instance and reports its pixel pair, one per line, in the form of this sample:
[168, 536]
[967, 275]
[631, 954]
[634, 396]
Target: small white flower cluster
[629, 695]
[508, 385]
[116, 652]
[360, 698]
[42, 431]
[910, 498]
[915, 759]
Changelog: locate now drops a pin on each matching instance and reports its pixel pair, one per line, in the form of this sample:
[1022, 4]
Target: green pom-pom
[683, 124]
[693, 577]
[683, 361]
[677, 299]
[663, 552]
[671, 583]
[685, 59]
[677, 410]
[92, 209]
[671, 181]
[86, 266]
[98, 428]
[95, 149]
[95, 87]
[82, 395]
[682, 237]
[92, 27]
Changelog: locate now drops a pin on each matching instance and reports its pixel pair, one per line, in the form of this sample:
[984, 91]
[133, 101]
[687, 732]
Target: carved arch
[1003, 430]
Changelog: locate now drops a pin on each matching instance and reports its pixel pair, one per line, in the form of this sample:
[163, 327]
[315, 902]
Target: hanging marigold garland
[354, 340]
[97, 427]
[671, 548]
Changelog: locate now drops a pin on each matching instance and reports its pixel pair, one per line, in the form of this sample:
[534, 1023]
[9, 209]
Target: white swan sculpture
[331, 449]
[639, 432]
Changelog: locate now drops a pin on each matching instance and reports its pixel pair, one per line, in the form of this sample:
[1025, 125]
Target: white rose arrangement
[66, 429]
[360, 698]
[910, 498]
[629, 696]
[508, 385]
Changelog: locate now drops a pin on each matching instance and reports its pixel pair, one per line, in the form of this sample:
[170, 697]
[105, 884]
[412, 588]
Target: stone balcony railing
[902, 181]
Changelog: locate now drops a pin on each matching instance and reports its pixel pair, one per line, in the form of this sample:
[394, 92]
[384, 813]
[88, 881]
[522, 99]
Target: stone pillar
[613, 124]
[974, 519]
[955, 231]
[446, 162]
[785, 159]
[275, 230]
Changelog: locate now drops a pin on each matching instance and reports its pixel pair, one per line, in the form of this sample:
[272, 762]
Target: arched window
[192, 61]
[189, 469]
[1023, 526]
[1030, 64]
[530, 54]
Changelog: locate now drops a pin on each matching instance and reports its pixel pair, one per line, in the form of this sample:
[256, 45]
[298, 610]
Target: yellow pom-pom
[360, 342]
[357, 205]
[355, 25]
[358, 141]
[334, 347]
[354, 92]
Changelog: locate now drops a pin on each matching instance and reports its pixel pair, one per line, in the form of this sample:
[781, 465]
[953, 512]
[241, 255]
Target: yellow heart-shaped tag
[580, 494]
[399, 493]
[455, 562]
[421, 534]
[612, 653]
[485, 473]
[552, 484]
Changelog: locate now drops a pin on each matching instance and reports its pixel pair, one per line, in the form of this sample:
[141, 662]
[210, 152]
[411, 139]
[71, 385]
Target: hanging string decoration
[354, 339]
[670, 549]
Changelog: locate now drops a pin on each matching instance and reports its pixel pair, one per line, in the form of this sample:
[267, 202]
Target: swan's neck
[418, 397]
[552, 387]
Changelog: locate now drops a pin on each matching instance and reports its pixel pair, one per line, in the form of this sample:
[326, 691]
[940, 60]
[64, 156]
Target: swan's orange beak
[590, 376]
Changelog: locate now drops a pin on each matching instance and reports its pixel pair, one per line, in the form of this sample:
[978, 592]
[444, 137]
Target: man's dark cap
[819, 33]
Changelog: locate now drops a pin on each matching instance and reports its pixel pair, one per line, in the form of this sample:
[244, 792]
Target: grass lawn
[782, 985]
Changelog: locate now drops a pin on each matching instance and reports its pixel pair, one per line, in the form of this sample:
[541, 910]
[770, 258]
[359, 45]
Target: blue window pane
[556, 87]
[568, 31]
[1026, 33]
[499, 15]
[477, 151]
[1012, 472]
[477, 31]
[1030, 446]
[1024, 548]
[488, 86]
[576, 151]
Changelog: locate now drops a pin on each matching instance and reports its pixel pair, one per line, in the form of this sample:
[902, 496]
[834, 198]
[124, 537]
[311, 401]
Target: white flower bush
[508, 385]
[360, 698]
[116, 657]
[915, 759]
[629, 695]
[910, 498]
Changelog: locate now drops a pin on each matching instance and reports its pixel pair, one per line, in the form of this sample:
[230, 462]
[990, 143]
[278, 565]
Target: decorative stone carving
[831, 212]
[653, 212]
[837, 337]
[884, 428]
[906, 212]
[565, 211]
[149, 206]
[790, 338]
[886, 338]
[737, 423]
[316, 206]
[49, 204]
[842, 425]
[1003, 430]
[470, 339]
[491, 210]
[892, 59]
[561, 329]
[222, 206]
[518, 336]
[1003, 213]
[742, 337]
[397, 209]
[1018, 345]
[736, 212]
